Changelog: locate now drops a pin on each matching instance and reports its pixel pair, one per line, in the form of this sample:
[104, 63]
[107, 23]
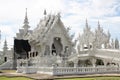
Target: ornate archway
[70, 64]
[99, 62]
[84, 63]
[88, 63]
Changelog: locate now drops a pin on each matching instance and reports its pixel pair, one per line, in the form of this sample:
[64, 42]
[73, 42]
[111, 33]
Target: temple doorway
[57, 46]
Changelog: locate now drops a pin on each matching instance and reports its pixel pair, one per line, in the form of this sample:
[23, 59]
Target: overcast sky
[73, 14]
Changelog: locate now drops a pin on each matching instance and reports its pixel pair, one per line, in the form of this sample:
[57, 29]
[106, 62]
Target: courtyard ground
[92, 78]
[12, 74]
[14, 78]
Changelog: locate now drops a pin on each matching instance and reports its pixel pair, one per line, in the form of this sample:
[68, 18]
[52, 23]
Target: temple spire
[116, 44]
[5, 45]
[108, 33]
[98, 24]
[45, 13]
[26, 26]
[99, 27]
[26, 18]
[87, 28]
[86, 23]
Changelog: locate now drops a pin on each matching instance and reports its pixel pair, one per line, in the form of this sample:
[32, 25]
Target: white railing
[26, 69]
[84, 70]
[69, 70]
[45, 70]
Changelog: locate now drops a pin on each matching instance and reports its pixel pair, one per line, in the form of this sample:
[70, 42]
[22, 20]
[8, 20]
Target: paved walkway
[90, 75]
[33, 76]
[50, 77]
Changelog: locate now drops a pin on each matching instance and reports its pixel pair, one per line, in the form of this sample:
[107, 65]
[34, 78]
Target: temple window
[90, 45]
[85, 46]
[33, 54]
[36, 53]
[66, 48]
[53, 49]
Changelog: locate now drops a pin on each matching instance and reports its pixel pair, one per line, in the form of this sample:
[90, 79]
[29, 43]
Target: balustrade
[85, 70]
[69, 70]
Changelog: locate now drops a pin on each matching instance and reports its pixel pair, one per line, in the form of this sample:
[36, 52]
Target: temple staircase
[6, 65]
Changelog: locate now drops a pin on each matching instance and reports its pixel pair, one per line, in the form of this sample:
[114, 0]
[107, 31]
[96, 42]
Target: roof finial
[26, 18]
[86, 23]
[108, 34]
[45, 12]
[5, 45]
[26, 26]
[98, 24]
[58, 14]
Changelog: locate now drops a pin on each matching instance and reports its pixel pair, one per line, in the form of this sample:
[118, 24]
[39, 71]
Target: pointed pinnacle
[45, 12]
[86, 23]
[26, 18]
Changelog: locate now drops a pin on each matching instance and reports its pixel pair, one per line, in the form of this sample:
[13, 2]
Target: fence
[69, 70]
[84, 70]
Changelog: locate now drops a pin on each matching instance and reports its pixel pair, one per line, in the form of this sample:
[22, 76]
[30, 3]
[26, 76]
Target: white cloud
[102, 10]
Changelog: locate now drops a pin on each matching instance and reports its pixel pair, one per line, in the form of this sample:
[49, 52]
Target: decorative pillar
[18, 64]
[105, 62]
[28, 55]
[76, 63]
[35, 54]
[93, 61]
[81, 47]
[50, 49]
[26, 61]
[50, 45]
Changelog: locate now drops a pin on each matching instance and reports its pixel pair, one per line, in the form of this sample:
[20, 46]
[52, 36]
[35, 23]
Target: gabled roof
[45, 26]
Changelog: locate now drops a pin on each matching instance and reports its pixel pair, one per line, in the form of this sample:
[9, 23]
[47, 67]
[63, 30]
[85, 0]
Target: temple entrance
[5, 59]
[57, 46]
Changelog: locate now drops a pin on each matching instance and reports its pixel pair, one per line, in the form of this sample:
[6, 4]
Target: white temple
[53, 51]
